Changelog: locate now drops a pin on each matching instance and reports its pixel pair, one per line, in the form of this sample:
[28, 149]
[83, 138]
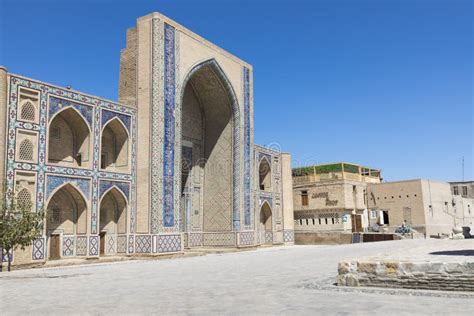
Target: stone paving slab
[294, 280]
[436, 264]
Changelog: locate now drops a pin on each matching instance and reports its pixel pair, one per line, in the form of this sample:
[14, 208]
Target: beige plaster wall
[442, 217]
[394, 197]
[143, 119]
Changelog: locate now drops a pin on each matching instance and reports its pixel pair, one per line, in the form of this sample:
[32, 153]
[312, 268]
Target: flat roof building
[332, 197]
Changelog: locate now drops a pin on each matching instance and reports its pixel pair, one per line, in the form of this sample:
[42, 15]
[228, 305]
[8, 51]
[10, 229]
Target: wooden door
[54, 247]
[356, 223]
[102, 243]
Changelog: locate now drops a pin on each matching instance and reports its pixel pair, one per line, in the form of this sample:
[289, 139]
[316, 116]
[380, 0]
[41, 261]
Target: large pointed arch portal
[210, 120]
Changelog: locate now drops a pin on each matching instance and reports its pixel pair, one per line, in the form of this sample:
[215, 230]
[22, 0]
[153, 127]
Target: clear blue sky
[388, 84]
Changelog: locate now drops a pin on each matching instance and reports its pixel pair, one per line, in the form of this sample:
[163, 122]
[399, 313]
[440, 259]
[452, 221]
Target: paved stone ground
[278, 280]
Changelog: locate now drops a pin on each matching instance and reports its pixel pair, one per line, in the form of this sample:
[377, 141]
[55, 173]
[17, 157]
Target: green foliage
[351, 168]
[19, 225]
[303, 171]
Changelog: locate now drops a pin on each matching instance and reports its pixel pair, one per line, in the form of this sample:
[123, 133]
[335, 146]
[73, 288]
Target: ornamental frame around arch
[127, 204]
[109, 189]
[271, 211]
[50, 121]
[270, 171]
[81, 194]
[86, 200]
[128, 141]
[235, 109]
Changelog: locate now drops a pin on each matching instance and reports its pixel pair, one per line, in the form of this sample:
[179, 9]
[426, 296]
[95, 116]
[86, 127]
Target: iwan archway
[210, 151]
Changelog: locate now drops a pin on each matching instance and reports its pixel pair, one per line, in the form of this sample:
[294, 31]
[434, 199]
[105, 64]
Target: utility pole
[462, 163]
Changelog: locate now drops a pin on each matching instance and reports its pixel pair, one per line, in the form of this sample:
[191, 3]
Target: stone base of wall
[411, 275]
[442, 265]
[322, 238]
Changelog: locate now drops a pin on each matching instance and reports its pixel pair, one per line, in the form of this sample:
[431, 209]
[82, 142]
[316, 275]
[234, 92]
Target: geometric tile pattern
[55, 181]
[122, 244]
[5, 255]
[268, 237]
[93, 245]
[107, 184]
[142, 243]
[56, 104]
[157, 123]
[194, 239]
[219, 239]
[52, 100]
[38, 249]
[169, 133]
[131, 243]
[169, 243]
[288, 235]
[247, 238]
[107, 116]
[68, 246]
[247, 169]
[110, 244]
[81, 246]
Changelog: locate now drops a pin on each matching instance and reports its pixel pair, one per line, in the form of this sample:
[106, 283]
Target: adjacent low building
[463, 188]
[332, 197]
[430, 207]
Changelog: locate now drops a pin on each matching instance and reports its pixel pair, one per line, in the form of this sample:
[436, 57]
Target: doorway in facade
[265, 227]
[113, 218]
[207, 151]
[67, 216]
[54, 247]
[385, 218]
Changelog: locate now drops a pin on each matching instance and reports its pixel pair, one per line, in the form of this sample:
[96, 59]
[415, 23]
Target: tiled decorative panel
[247, 168]
[93, 245]
[194, 239]
[169, 134]
[38, 249]
[55, 182]
[288, 235]
[68, 246]
[81, 246]
[143, 244]
[5, 255]
[247, 238]
[131, 244]
[157, 123]
[105, 185]
[56, 104]
[121, 243]
[107, 116]
[169, 243]
[268, 237]
[219, 239]
[110, 244]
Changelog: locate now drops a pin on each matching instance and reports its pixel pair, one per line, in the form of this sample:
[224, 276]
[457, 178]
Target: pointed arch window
[26, 150]
[28, 111]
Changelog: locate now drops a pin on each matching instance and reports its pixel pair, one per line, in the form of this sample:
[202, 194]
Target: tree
[19, 225]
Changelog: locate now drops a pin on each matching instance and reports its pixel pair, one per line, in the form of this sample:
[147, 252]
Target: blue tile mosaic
[122, 186]
[169, 134]
[247, 169]
[53, 182]
[57, 104]
[109, 115]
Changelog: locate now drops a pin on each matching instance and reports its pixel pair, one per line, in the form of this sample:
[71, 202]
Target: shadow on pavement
[453, 253]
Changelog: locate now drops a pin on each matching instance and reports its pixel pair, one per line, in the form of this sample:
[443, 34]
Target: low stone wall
[446, 276]
[322, 238]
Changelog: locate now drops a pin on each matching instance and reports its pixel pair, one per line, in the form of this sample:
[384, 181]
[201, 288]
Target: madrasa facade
[172, 165]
